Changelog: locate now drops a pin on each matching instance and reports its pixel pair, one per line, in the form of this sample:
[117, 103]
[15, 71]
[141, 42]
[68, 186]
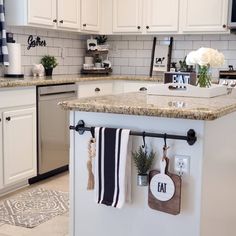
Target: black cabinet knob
[55, 20]
[61, 21]
[0, 119]
[97, 89]
[147, 27]
[139, 27]
[8, 118]
[224, 26]
[143, 89]
[84, 25]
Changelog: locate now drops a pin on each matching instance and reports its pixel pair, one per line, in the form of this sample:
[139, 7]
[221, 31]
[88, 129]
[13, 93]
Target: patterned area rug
[33, 207]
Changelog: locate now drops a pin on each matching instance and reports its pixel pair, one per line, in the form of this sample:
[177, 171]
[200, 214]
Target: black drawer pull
[8, 118]
[61, 21]
[143, 89]
[139, 27]
[147, 27]
[97, 89]
[55, 21]
[84, 25]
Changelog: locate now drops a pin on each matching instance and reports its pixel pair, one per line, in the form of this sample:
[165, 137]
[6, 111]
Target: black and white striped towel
[4, 60]
[112, 167]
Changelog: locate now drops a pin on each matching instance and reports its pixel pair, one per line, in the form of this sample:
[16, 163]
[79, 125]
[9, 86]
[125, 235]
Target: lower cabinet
[17, 137]
[19, 145]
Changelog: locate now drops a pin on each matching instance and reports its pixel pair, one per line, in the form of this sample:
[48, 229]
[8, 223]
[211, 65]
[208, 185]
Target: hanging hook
[165, 145]
[144, 143]
[92, 130]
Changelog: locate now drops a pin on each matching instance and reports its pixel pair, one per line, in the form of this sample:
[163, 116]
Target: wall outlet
[182, 165]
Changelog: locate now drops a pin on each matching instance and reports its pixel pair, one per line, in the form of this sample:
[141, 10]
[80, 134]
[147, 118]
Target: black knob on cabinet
[0, 119]
[139, 27]
[143, 89]
[84, 25]
[97, 89]
[147, 27]
[61, 21]
[55, 20]
[8, 118]
[224, 26]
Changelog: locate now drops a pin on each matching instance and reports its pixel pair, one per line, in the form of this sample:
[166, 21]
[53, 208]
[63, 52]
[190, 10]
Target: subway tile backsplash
[134, 52]
[129, 54]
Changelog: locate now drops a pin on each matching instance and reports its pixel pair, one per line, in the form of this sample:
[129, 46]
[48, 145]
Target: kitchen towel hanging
[4, 60]
[112, 167]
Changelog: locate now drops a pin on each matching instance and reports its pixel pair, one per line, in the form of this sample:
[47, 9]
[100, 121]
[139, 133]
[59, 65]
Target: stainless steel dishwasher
[53, 131]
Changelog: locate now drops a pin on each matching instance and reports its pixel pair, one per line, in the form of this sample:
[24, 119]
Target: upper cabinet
[162, 16]
[90, 15]
[44, 13]
[68, 14]
[127, 16]
[41, 12]
[204, 16]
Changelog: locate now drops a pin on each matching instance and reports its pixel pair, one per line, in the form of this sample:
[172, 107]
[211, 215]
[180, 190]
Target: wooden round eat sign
[162, 186]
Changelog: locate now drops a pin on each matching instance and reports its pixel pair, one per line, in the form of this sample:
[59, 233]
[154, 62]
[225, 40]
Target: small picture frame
[92, 44]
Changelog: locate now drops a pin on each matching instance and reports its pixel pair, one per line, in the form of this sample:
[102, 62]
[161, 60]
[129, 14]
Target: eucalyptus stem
[204, 79]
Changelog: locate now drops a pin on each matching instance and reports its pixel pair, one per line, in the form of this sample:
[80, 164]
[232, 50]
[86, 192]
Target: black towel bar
[190, 137]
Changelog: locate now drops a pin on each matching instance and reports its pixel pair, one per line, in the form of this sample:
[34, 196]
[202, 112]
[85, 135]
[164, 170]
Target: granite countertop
[139, 103]
[61, 79]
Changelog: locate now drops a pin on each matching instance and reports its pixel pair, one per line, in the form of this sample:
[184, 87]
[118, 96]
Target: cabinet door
[19, 145]
[68, 14]
[127, 16]
[42, 12]
[90, 15]
[204, 16]
[162, 16]
[1, 154]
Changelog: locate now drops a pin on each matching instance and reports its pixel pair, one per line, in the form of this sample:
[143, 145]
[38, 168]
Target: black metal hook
[92, 130]
[144, 142]
[165, 137]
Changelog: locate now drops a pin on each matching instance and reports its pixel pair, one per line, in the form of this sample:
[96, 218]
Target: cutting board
[162, 188]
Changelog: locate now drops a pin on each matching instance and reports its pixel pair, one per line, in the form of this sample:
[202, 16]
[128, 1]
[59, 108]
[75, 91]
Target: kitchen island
[208, 190]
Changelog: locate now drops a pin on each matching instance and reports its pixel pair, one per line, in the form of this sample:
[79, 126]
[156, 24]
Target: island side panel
[137, 219]
[219, 176]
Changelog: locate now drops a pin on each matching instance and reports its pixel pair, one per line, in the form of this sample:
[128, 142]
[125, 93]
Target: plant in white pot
[143, 162]
[205, 58]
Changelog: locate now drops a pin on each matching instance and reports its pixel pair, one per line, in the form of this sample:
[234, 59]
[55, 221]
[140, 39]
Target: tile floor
[57, 226]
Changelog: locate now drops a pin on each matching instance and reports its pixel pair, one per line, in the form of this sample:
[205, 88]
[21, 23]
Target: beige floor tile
[57, 226]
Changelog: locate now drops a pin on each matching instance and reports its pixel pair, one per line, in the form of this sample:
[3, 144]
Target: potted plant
[49, 62]
[143, 162]
[98, 62]
[101, 40]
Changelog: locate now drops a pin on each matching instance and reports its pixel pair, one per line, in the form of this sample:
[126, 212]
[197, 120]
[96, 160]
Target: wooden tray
[98, 71]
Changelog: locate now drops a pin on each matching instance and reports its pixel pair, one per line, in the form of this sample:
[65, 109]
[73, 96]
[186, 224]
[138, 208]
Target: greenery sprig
[143, 160]
[49, 62]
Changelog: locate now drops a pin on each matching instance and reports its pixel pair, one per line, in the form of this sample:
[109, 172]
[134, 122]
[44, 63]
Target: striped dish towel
[4, 60]
[112, 167]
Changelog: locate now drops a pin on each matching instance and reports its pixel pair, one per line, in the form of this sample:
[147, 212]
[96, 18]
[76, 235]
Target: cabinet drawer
[136, 86]
[94, 89]
[12, 97]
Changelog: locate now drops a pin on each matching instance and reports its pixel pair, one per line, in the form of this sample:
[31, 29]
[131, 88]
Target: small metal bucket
[142, 180]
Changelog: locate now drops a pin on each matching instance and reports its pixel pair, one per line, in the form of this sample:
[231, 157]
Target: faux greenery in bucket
[49, 62]
[143, 162]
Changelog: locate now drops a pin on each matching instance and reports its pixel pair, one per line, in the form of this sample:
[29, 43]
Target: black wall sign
[35, 42]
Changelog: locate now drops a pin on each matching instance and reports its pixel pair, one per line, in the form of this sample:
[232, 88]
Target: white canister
[88, 60]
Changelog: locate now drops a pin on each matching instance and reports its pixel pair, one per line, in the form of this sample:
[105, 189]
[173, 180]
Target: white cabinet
[204, 16]
[17, 137]
[136, 86]
[44, 13]
[19, 142]
[162, 16]
[127, 16]
[90, 15]
[41, 12]
[1, 153]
